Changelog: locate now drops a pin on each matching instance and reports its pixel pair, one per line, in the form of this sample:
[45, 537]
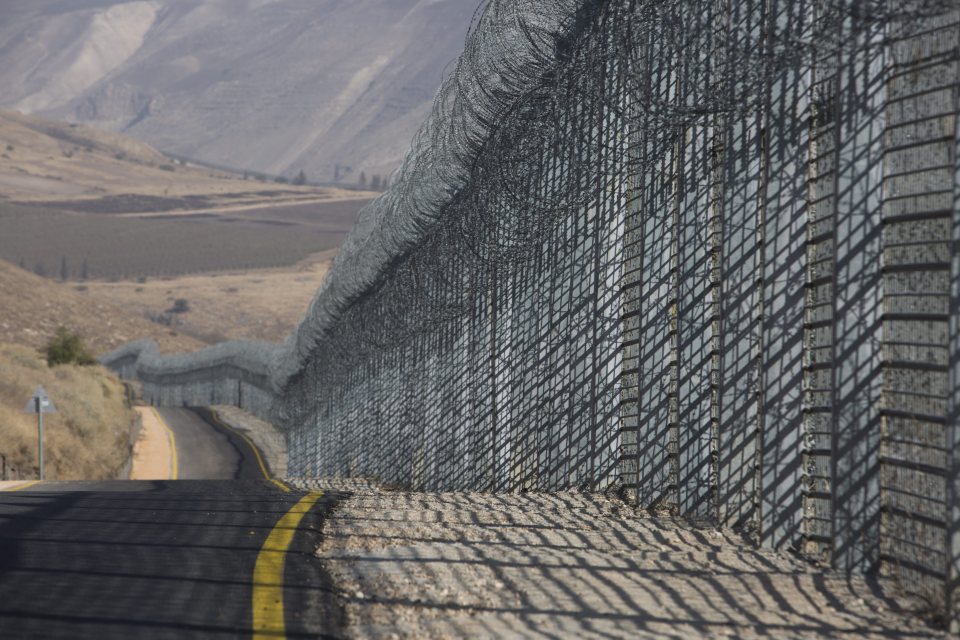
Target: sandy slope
[43, 161]
[31, 309]
[253, 305]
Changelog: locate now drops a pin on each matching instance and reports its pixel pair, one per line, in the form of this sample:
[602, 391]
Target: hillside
[308, 85]
[109, 206]
[88, 438]
[31, 309]
[86, 169]
[262, 304]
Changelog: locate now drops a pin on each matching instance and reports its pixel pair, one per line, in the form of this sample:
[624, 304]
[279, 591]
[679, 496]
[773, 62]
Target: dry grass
[31, 309]
[45, 161]
[253, 305]
[88, 437]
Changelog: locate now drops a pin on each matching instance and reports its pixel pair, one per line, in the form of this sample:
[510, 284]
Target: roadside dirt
[571, 565]
[152, 454]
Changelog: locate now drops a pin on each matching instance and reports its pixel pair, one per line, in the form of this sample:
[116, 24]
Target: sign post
[40, 404]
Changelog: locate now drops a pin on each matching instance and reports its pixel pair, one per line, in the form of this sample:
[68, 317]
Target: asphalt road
[206, 450]
[163, 559]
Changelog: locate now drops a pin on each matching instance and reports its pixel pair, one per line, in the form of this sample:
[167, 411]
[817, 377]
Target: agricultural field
[84, 246]
[132, 243]
[72, 196]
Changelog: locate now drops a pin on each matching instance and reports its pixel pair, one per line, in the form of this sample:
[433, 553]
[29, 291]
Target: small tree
[67, 347]
[301, 179]
[363, 179]
[375, 182]
[84, 270]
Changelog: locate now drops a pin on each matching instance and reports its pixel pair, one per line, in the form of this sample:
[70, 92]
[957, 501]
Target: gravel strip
[453, 565]
[270, 441]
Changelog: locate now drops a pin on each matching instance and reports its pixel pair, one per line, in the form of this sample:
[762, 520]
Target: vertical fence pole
[952, 506]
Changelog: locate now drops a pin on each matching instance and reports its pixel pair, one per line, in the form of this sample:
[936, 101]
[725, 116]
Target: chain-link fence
[703, 253]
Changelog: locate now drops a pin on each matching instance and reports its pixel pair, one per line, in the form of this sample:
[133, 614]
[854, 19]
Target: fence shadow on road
[141, 559]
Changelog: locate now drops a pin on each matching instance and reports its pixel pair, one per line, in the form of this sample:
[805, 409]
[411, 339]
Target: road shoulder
[420, 565]
[153, 451]
[268, 439]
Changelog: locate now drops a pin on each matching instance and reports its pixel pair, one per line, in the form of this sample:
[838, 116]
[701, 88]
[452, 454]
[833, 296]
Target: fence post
[952, 506]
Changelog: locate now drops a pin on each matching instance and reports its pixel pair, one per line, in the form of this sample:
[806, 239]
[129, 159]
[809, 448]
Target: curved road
[166, 559]
[207, 450]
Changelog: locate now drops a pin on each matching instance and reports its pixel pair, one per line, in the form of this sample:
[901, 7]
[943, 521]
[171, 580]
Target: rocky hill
[275, 86]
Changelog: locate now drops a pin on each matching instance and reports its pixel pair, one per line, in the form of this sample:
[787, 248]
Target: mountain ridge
[312, 86]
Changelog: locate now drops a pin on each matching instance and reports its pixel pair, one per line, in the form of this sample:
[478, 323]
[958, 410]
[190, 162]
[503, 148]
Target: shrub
[67, 347]
[180, 305]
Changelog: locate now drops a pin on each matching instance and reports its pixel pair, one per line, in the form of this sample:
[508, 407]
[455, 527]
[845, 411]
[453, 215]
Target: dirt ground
[31, 309]
[570, 565]
[152, 453]
[263, 304]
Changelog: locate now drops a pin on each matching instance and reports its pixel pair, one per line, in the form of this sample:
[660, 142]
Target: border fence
[703, 253]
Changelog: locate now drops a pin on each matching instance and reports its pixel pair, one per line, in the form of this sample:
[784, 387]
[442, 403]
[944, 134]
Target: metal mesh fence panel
[701, 253]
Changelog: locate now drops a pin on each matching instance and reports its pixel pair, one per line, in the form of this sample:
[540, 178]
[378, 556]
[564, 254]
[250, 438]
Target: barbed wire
[511, 148]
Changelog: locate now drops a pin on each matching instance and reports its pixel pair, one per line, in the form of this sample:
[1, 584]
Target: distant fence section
[233, 373]
[704, 254]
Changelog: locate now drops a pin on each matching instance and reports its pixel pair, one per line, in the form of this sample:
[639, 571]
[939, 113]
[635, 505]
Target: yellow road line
[174, 462]
[268, 615]
[256, 452]
[21, 487]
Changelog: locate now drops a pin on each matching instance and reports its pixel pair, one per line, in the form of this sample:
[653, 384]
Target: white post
[40, 434]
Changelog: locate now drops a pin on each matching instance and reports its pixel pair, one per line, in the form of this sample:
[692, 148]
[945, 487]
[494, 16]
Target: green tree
[67, 347]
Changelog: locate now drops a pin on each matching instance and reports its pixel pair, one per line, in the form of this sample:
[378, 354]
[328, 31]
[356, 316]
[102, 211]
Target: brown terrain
[70, 166]
[31, 309]
[92, 204]
[130, 231]
[88, 438]
[261, 304]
